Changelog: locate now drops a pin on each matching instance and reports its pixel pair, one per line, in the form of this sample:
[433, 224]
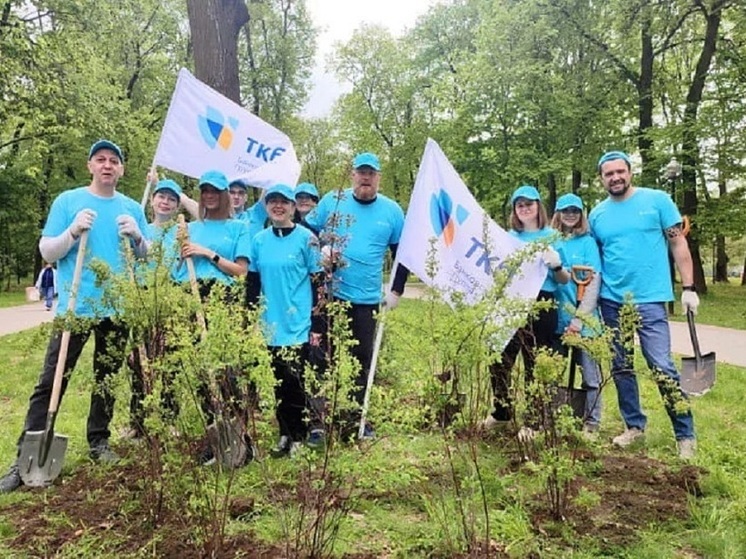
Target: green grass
[723, 305]
[404, 507]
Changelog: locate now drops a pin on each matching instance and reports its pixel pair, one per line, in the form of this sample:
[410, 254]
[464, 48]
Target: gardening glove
[391, 301]
[551, 258]
[689, 301]
[83, 222]
[128, 228]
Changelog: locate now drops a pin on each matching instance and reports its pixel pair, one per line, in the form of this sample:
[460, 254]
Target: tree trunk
[645, 103]
[214, 26]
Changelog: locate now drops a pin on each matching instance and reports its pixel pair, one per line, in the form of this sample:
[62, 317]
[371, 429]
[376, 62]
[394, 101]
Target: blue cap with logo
[526, 191]
[366, 159]
[612, 156]
[307, 188]
[105, 144]
[168, 184]
[281, 190]
[568, 201]
[216, 179]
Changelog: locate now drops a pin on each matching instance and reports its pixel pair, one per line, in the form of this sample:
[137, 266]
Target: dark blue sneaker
[316, 439]
[11, 481]
[368, 432]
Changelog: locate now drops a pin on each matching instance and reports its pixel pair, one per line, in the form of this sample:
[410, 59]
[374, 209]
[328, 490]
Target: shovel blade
[698, 377]
[575, 398]
[227, 441]
[36, 469]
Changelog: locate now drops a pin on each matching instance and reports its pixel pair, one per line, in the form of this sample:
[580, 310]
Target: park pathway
[728, 344]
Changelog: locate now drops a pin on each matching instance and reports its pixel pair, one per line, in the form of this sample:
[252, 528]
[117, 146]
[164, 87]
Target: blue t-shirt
[285, 265]
[574, 251]
[363, 232]
[103, 245]
[550, 284]
[227, 237]
[634, 250]
[255, 217]
[164, 250]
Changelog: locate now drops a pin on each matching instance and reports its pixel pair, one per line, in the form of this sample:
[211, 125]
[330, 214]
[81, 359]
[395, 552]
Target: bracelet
[688, 288]
[557, 268]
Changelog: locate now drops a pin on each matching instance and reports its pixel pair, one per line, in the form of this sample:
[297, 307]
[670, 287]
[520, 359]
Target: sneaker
[368, 432]
[316, 439]
[206, 457]
[589, 431]
[628, 437]
[285, 447]
[489, 423]
[102, 453]
[687, 448]
[11, 481]
[526, 434]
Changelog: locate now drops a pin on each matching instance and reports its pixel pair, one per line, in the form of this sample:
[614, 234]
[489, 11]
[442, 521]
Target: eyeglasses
[571, 211]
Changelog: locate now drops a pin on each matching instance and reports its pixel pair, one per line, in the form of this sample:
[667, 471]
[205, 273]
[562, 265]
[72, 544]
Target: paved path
[728, 344]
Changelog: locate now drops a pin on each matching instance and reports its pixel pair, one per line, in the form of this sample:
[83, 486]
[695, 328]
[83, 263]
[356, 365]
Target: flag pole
[148, 181]
[374, 357]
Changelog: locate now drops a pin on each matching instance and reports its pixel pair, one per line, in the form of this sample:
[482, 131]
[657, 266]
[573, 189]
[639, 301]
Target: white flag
[469, 245]
[204, 130]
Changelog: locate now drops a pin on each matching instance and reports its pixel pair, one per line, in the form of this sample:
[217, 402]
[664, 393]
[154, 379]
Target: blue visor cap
[216, 179]
[280, 190]
[366, 159]
[105, 144]
[525, 191]
[168, 185]
[613, 156]
[307, 188]
[568, 201]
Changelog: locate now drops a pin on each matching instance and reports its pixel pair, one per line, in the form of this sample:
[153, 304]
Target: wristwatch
[688, 288]
[216, 258]
[557, 268]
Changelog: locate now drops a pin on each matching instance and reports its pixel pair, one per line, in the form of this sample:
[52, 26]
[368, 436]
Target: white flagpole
[374, 357]
[148, 180]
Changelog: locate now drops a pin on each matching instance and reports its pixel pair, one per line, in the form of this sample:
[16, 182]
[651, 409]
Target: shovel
[43, 452]
[697, 373]
[226, 438]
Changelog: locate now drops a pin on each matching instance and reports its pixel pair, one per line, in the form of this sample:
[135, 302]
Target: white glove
[391, 301]
[83, 222]
[689, 301]
[551, 258]
[128, 228]
[329, 257]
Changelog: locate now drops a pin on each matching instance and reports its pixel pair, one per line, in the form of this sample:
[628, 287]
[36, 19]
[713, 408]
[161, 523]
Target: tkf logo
[214, 130]
[442, 218]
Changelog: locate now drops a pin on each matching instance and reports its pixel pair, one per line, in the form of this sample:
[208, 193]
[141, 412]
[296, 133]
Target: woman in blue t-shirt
[578, 248]
[529, 223]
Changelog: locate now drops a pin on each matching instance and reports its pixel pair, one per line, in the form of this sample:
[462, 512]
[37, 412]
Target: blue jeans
[48, 294]
[655, 342]
[591, 384]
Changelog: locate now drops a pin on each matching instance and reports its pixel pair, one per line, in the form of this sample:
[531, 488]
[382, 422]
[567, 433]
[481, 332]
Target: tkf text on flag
[205, 130]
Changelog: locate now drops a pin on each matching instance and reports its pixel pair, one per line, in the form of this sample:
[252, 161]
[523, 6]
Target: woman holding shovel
[577, 300]
[285, 261]
[529, 222]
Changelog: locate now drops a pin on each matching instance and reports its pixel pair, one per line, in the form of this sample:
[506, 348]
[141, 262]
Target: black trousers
[111, 341]
[363, 327]
[288, 364]
[538, 333]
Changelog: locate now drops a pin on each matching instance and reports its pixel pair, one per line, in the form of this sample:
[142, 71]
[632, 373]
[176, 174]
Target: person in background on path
[359, 225]
[529, 223]
[635, 228]
[578, 248]
[306, 199]
[285, 271]
[255, 216]
[46, 285]
[109, 216]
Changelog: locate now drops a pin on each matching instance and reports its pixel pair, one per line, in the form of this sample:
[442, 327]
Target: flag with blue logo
[446, 225]
[205, 130]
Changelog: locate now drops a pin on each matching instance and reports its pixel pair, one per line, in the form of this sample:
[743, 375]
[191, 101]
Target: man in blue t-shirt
[108, 216]
[357, 226]
[635, 228]
[255, 216]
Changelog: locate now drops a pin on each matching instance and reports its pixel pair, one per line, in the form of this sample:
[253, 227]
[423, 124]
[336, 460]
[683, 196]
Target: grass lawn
[413, 492]
[723, 305]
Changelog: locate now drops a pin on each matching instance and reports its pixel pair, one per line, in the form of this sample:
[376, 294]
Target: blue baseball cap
[525, 191]
[613, 156]
[307, 188]
[366, 159]
[168, 184]
[105, 144]
[215, 179]
[568, 201]
[280, 190]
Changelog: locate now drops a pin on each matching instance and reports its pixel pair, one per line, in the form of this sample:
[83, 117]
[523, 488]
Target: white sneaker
[687, 448]
[489, 423]
[526, 434]
[628, 437]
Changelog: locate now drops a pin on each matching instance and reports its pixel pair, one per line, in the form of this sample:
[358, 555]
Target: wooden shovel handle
[59, 369]
[183, 237]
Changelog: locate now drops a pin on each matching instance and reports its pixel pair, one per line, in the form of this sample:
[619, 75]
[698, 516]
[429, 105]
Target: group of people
[624, 241]
[622, 248]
